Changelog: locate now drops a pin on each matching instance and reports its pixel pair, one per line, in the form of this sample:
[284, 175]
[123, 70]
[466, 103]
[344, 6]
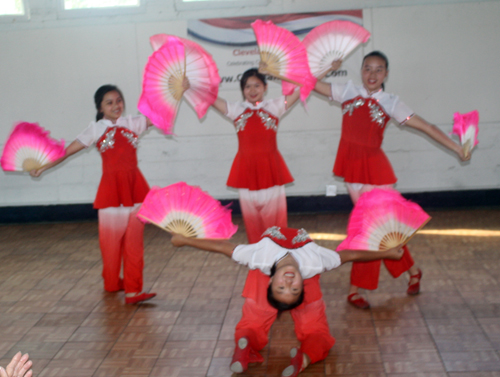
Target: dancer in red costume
[120, 192]
[362, 163]
[259, 171]
[287, 265]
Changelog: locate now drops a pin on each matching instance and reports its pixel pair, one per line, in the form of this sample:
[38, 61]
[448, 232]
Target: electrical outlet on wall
[331, 190]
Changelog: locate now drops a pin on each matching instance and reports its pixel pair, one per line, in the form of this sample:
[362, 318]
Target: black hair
[380, 55]
[280, 306]
[252, 72]
[99, 96]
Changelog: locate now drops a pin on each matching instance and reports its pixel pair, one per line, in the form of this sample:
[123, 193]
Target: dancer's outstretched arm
[365, 256]
[213, 245]
[322, 87]
[73, 148]
[422, 125]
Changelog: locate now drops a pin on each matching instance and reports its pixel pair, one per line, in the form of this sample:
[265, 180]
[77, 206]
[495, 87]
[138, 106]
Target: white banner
[232, 43]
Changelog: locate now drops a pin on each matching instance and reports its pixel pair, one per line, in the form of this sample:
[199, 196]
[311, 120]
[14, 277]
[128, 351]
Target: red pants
[263, 209]
[311, 325]
[366, 274]
[121, 242]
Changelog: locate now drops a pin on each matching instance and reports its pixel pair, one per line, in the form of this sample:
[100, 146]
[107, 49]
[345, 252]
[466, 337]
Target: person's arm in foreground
[213, 245]
[365, 256]
[20, 366]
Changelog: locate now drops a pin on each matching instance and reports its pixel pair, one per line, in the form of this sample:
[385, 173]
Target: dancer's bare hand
[395, 253]
[36, 172]
[336, 64]
[177, 240]
[263, 68]
[186, 84]
[462, 155]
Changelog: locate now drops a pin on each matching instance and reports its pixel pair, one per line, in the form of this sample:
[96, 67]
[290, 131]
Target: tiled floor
[52, 305]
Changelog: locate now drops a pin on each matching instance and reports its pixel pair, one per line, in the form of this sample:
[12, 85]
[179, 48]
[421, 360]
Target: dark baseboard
[296, 204]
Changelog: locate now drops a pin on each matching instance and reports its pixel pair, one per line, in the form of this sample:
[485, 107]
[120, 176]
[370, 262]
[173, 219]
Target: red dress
[258, 164]
[122, 182]
[360, 158]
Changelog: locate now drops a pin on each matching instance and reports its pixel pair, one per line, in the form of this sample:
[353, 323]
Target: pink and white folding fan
[29, 147]
[382, 219]
[331, 41]
[187, 210]
[285, 57]
[201, 71]
[466, 127]
[162, 87]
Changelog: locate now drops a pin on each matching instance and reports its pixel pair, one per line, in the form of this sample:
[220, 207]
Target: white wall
[443, 58]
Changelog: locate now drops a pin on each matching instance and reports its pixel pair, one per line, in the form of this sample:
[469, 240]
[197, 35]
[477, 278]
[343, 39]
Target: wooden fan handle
[467, 148]
[264, 59]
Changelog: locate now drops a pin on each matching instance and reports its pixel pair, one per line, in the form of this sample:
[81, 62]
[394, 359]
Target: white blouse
[137, 124]
[311, 258]
[276, 107]
[391, 103]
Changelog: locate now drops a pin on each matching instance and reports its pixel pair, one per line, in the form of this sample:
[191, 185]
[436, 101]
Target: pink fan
[162, 84]
[201, 71]
[29, 147]
[382, 219]
[331, 41]
[285, 57]
[187, 210]
[466, 127]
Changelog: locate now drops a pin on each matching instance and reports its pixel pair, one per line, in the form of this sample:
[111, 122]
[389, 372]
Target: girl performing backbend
[285, 266]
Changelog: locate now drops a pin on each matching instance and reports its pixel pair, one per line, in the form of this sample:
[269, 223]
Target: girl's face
[112, 106]
[287, 284]
[254, 90]
[373, 73]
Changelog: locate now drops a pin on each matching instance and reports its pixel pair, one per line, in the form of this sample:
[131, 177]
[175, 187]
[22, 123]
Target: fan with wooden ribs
[187, 210]
[382, 219]
[285, 57]
[466, 127]
[174, 59]
[332, 41]
[30, 147]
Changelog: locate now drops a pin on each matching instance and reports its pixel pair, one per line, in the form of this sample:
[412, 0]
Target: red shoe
[297, 362]
[414, 289]
[139, 298]
[241, 356]
[359, 303]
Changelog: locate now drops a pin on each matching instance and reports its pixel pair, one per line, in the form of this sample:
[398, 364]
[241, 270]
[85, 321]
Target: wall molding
[470, 199]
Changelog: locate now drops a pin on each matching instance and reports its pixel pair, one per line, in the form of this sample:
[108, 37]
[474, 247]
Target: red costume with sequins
[258, 164]
[311, 325]
[120, 191]
[258, 169]
[122, 183]
[360, 158]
